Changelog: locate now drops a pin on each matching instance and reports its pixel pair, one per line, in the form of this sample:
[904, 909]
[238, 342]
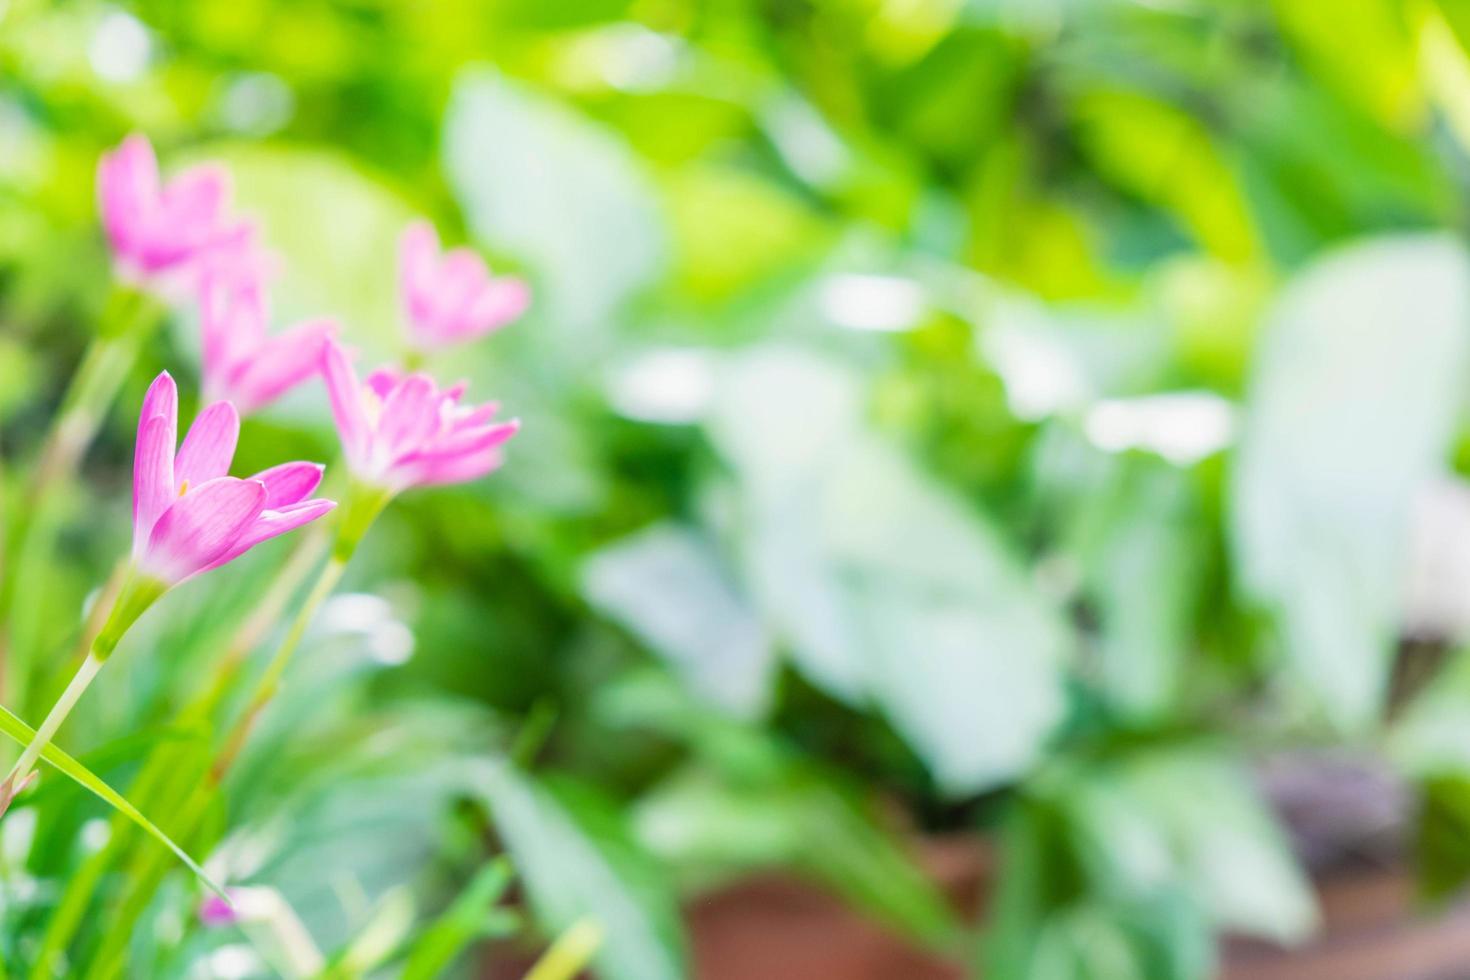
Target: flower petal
[289, 483]
[411, 416]
[201, 526]
[153, 457]
[209, 446]
[272, 523]
[127, 186]
[347, 408]
[281, 363]
[153, 477]
[500, 302]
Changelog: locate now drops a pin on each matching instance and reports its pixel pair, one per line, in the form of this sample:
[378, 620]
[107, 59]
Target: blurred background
[991, 497]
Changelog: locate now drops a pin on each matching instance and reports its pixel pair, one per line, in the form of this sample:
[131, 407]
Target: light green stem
[79, 683]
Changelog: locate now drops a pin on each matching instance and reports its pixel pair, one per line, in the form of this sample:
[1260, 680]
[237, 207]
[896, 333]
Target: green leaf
[467, 919]
[1363, 49]
[1442, 835]
[1357, 387]
[578, 863]
[23, 734]
[1167, 157]
[1144, 567]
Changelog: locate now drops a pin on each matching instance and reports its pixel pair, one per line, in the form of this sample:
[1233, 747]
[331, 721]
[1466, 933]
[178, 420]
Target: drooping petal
[280, 363]
[345, 395]
[270, 524]
[201, 526]
[289, 483]
[209, 446]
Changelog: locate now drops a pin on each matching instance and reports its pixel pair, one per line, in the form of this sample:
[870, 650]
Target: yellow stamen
[183, 488]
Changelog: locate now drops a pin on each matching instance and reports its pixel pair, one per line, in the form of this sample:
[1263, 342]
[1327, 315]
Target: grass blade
[22, 733]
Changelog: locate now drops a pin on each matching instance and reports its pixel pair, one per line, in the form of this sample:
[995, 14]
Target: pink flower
[159, 232]
[452, 298]
[188, 515]
[215, 912]
[400, 432]
[243, 364]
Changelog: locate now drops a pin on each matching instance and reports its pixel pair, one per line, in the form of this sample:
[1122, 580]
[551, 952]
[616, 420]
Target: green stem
[79, 683]
[270, 680]
[152, 784]
[137, 594]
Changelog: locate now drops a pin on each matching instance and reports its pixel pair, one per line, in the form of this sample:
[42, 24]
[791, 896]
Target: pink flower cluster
[398, 430]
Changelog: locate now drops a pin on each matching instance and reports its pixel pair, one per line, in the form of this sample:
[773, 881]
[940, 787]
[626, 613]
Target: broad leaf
[1357, 388]
[888, 588]
[668, 585]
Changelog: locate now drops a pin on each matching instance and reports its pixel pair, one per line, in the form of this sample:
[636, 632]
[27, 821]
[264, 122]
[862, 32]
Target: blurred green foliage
[941, 416]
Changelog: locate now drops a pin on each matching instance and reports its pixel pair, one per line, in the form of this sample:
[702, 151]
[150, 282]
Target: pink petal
[161, 399]
[153, 477]
[289, 483]
[410, 415]
[500, 302]
[474, 440]
[382, 381]
[281, 363]
[417, 249]
[209, 446]
[272, 523]
[201, 526]
[194, 201]
[233, 314]
[127, 187]
[438, 471]
[153, 456]
[347, 408]
[468, 456]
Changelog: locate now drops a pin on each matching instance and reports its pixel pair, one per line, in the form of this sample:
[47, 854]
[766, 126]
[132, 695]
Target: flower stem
[269, 682]
[79, 683]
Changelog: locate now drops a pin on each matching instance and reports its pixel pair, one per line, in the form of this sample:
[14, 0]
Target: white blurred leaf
[888, 589]
[1356, 390]
[1190, 817]
[666, 584]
